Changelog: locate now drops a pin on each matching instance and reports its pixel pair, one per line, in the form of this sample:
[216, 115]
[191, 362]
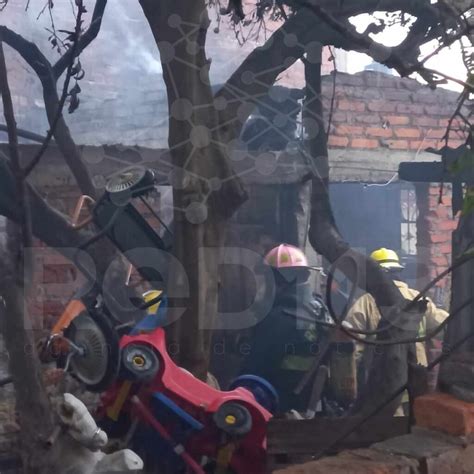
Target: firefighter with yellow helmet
[365, 315]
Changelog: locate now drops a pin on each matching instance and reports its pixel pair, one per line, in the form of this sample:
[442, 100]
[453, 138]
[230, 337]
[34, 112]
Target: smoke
[123, 98]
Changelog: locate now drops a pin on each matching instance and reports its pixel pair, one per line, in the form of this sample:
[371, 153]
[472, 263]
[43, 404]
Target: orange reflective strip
[73, 309]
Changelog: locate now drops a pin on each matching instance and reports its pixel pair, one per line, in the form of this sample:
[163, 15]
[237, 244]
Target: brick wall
[374, 110]
[55, 277]
[435, 226]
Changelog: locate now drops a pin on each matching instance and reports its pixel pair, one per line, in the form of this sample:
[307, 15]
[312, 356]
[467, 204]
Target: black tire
[139, 363]
[93, 331]
[233, 418]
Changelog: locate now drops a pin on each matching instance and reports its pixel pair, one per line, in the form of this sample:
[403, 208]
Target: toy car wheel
[263, 391]
[233, 418]
[98, 367]
[139, 363]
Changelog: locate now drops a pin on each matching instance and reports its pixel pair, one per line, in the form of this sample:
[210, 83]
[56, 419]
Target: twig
[46, 5]
[393, 60]
[445, 44]
[333, 97]
[86, 38]
[77, 33]
[466, 85]
[24, 134]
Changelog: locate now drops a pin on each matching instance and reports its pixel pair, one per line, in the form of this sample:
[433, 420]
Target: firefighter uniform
[286, 342]
[365, 315]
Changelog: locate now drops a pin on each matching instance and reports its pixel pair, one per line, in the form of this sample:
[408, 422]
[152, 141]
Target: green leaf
[468, 205]
[463, 162]
[468, 253]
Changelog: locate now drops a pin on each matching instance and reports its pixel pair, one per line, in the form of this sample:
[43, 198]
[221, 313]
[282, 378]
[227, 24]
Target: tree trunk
[390, 369]
[33, 407]
[205, 190]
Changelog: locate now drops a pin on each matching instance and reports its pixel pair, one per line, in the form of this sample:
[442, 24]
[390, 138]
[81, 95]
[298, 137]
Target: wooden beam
[310, 436]
[435, 172]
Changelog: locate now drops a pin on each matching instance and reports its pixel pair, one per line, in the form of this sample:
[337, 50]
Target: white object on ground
[80, 444]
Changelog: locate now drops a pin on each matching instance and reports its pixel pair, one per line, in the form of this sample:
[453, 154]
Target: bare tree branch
[59, 109]
[38, 62]
[312, 25]
[24, 134]
[85, 40]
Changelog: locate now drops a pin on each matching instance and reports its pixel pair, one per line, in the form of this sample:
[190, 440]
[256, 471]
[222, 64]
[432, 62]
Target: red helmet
[286, 256]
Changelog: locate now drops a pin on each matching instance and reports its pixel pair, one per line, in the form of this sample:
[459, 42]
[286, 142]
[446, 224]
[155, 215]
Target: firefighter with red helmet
[286, 342]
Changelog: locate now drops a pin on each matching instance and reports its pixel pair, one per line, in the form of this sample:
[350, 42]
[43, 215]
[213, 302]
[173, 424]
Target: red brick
[398, 95]
[441, 261]
[397, 144]
[364, 143]
[54, 273]
[456, 143]
[427, 97]
[398, 119]
[439, 237]
[425, 121]
[442, 412]
[442, 212]
[447, 200]
[410, 109]
[446, 248]
[435, 132]
[435, 110]
[338, 141]
[349, 130]
[443, 123]
[351, 105]
[380, 79]
[54, 308]
[434, 199]
[339, 117]
[424, 144]
[352, 79]
[381, 106]
[372, 119]
[407, 132]
[448, 225]
[379, 132]
[346, 463]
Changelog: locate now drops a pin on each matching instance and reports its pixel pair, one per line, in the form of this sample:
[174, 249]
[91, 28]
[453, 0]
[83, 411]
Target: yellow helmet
[151, 295]
[387, 259]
